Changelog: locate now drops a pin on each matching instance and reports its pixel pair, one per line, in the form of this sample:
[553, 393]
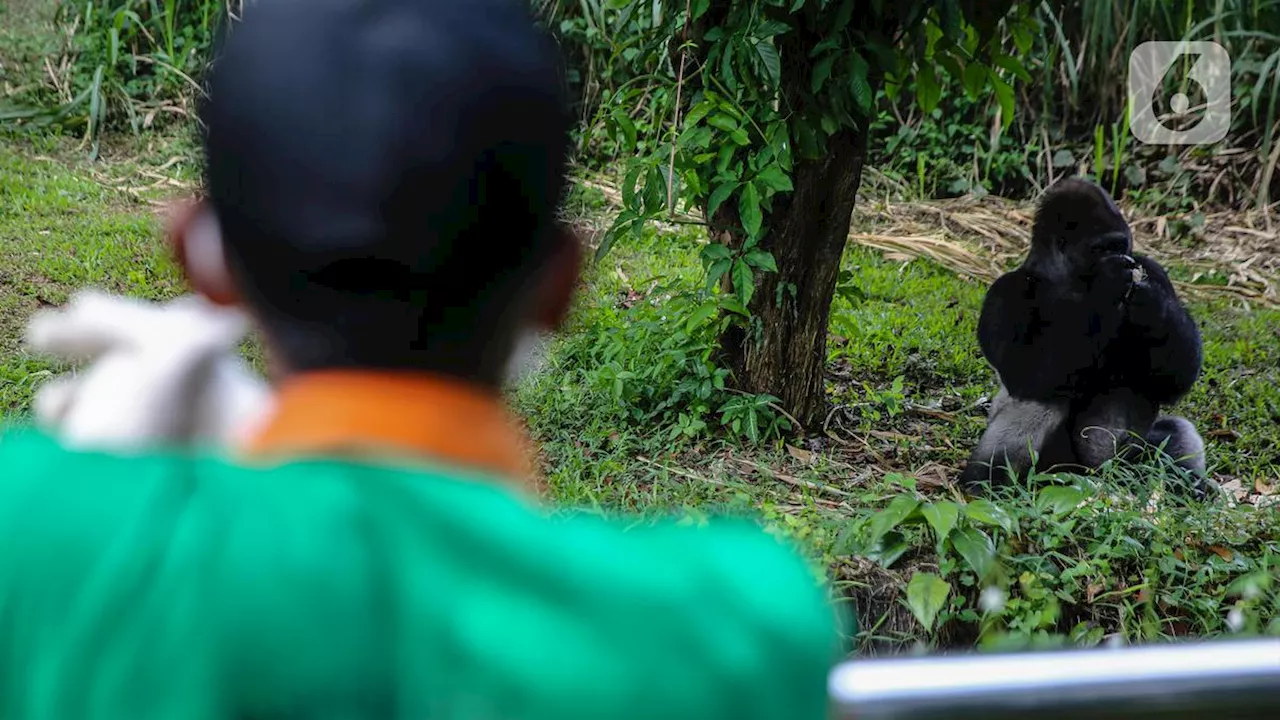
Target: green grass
[61, 230]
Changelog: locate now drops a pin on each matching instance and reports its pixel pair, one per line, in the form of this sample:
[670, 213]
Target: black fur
[1086, 355]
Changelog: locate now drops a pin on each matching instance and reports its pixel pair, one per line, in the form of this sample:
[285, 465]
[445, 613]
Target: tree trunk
[787, 355]
[784, 352]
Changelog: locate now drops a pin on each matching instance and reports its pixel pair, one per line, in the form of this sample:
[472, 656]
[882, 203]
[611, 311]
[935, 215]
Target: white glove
[159, 375]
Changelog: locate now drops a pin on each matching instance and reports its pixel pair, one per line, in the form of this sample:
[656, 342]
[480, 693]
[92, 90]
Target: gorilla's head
[1077, 226]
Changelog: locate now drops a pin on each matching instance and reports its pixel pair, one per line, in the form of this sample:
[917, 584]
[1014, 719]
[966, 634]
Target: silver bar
[1228, 680]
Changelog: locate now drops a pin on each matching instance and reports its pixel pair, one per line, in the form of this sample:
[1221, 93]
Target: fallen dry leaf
[1092, 590]
[890, 435]
[932, 475]
[800, 454]
[1236, 489]
[1222, 552]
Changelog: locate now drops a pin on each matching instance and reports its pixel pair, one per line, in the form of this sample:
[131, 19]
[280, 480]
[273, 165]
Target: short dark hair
[386, 175]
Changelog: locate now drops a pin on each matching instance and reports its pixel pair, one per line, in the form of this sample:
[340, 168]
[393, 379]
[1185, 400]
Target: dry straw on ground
[1232, 255]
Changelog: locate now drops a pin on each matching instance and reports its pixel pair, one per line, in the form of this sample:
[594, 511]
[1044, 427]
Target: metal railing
[1227, 680]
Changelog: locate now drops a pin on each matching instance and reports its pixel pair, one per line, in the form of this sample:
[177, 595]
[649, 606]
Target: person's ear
[196, 241]
[560, 282]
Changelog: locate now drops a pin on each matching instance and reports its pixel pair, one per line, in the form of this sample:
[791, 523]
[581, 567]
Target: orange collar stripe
[348, 413]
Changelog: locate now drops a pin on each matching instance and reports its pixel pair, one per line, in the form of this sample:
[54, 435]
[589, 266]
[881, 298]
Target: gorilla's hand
[1115, 278]
[1148, 301]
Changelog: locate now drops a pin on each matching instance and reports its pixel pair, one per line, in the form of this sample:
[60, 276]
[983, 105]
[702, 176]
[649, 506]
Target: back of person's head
[385, 176]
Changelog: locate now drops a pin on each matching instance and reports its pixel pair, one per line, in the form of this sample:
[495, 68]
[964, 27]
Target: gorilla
[1088, 342]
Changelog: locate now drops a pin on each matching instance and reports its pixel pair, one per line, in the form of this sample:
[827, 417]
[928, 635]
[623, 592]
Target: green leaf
[740, 137]
[629, 186]
[831, 42]
[1011, 64]
[891, 517]
[715, 251]
[753, 426]
[928, 90]
[762, 259]
[988, 513]
[942, 517]
[734, 305]
[699, 8]
[726, 69]
[723, 122]
[926, 596]
[1060, 500]
[726, 157]
[1004, 94]
[621, 224]
[698, 112]
[779, 144]
[628, 129]
[842, 16]
[861, 87]
[749, 209]
[886, 551]
[695, 138]
[1023, 39]
[771, 28]
[775, 179]
[796, 5]
[950, 64]
[976, 548]
[772, 64]
[892, 89]
[717, 271]
[822, 72]
[655, 190]
[718, 196]
[743, 281]
[693, 184]
[704, 312]
[974, 79]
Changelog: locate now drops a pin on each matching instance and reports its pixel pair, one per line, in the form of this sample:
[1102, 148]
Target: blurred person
[382, 178]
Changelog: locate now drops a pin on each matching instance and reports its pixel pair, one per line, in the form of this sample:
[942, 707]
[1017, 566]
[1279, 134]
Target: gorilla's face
[1079, 228]
[1087, 247]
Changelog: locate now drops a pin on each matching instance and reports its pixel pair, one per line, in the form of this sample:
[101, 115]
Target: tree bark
[786, 355]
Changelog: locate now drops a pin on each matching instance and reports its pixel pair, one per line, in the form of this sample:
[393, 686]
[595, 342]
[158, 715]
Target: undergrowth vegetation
[636, 410]
[1123, 556]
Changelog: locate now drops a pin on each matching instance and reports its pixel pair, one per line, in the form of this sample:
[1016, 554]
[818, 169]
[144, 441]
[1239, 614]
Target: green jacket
[172, 586]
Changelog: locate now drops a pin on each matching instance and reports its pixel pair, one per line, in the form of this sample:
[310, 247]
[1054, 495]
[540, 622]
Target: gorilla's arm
[1040, 338]
[1173, 352]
